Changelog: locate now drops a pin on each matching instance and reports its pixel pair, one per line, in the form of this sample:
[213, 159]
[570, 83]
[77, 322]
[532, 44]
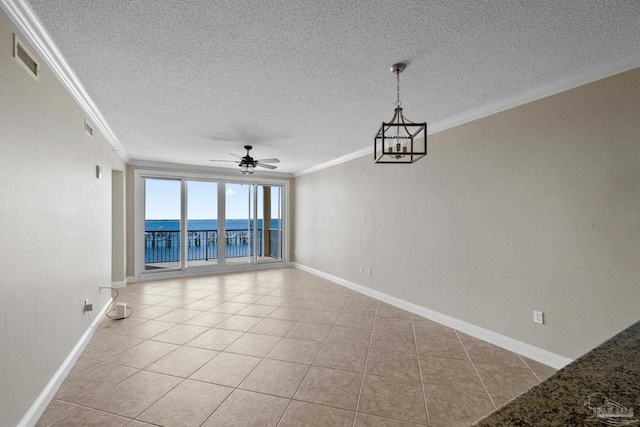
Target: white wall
[118, 229]
[534, 208]
[55, 228]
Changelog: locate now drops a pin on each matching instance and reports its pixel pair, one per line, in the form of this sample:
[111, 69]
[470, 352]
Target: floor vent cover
[24, 57]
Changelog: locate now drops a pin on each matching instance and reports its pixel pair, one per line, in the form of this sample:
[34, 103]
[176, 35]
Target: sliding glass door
[269, 213]
[239, 223]
[253, 223]
[162, 224]
[207, 224]
[202, 223]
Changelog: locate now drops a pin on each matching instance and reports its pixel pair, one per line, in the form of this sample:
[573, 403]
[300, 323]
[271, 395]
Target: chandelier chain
[398, 103]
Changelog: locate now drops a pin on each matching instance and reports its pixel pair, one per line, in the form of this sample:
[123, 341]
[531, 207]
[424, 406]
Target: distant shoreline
[215, 219]
[166, 225]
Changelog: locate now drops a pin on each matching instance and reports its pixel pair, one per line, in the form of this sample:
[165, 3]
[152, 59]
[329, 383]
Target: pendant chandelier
[400, 140]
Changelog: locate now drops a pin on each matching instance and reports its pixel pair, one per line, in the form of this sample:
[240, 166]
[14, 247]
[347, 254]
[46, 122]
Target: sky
[163, 200]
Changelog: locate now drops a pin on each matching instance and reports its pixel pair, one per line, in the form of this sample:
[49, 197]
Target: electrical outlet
[369, 271]
[87, 306]
[538, 317]
[361, 270]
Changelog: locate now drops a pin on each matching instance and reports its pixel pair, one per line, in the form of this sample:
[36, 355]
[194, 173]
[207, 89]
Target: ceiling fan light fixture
[246, 169]
[248, 164]
[400, 140]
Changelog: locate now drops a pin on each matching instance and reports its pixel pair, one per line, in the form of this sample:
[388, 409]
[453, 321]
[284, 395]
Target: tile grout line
[156, 401]
[310, 365]
[65, 415]
[97, 410]
[527, 365]
[476, 370]
[364, 371]
[183, 379]
[84, 405]
[120, 415]
[244, 378]
[424, 393]
[234, 388]
[324, 343]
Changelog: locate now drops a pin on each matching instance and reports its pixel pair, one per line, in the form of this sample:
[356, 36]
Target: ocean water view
[202, 224]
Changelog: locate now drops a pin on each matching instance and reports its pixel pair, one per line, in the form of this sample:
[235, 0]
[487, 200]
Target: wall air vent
[87, 128]
[24, 57]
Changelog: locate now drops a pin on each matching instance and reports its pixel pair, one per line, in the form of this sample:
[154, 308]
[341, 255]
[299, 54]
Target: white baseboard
[524, 349]
[200, 272]
[118, 285]
[38, 407]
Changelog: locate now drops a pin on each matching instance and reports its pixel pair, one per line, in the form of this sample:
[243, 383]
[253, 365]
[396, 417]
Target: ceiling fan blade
[268, 160]
[235, 155]
[265, 166]
[232, 161]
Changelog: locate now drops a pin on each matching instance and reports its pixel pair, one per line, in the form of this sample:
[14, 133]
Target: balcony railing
[275, 248]
[202, 245]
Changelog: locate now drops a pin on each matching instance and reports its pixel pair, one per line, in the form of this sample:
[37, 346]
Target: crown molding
[360, 153]
[25, 19]
[619, 65]
[20, 12]
[234, 173]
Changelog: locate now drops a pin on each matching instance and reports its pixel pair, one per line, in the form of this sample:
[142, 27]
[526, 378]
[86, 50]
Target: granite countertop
[610, 374]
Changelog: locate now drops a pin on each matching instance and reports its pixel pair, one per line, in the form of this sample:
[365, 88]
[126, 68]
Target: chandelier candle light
[400, 140]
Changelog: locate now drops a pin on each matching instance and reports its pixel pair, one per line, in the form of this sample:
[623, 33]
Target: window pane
[238, 223]
[202, 223]
[162, 224]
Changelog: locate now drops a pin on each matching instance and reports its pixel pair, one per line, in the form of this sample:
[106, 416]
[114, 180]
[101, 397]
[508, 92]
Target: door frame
[282, 222]
[139, 223]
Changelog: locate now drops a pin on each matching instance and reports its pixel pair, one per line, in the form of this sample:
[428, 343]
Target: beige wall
[130, 221]
[534, 208]
[118, 229]
[55, 228]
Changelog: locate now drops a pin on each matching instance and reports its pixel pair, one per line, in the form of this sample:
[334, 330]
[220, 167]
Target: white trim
[571, 81]
[46, 395]
[343, 159]
[535, 353]
[34, 32]
[616, 66]
[198, 272]
[28, 23]
[227, 172]
[118, 285]
[138, 224]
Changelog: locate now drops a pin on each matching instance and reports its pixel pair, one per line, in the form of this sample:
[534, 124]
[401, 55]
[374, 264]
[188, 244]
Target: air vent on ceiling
[24, 57]
[87, 128]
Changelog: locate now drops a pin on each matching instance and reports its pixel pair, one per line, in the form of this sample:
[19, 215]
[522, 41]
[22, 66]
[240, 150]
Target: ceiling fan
[247, 163]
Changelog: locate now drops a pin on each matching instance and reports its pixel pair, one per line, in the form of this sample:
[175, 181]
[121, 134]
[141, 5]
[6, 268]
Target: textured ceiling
[309, 81]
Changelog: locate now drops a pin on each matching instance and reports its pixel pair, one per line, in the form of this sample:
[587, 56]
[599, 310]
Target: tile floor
[281, 348]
